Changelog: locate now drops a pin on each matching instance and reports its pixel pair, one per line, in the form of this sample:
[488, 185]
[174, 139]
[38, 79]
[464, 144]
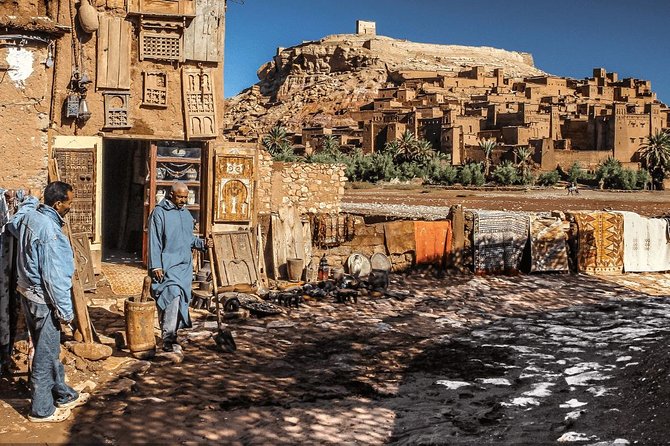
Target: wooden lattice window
[155, 88]
[161, 40]
[116, 110]
[199, 103]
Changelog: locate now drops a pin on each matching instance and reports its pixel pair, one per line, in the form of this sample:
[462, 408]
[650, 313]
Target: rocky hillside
[317, 83]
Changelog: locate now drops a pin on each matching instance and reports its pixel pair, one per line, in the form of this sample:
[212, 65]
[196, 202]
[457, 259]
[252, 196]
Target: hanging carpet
[600, 236]
[433, 241]
[548, 250]
[499, 240]
[645, 244]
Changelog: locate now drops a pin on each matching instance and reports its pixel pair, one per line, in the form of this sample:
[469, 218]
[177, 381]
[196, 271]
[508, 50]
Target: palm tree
[276, 140]
[404, 147]
[487, 145]
[655, 156]
[523, 160]
[330, 145]
[423, 151]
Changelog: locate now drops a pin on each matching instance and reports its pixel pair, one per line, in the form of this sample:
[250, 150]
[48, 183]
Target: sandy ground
[462, 360]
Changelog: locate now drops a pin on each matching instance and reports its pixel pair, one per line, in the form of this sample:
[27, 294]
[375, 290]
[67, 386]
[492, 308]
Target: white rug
[645, 243]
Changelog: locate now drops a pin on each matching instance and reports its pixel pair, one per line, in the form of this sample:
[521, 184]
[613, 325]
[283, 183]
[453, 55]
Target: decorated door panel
[77, 167]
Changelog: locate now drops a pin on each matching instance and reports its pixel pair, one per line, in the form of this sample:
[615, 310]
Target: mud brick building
[126, 96]
[562, 120]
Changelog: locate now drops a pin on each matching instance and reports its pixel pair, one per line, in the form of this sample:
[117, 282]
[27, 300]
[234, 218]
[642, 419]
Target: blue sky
[565, 37]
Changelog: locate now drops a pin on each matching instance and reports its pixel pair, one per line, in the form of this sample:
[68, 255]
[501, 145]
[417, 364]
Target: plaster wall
[25, 98]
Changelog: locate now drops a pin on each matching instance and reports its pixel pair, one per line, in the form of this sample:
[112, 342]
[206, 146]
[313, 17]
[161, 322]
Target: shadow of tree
[364, 373]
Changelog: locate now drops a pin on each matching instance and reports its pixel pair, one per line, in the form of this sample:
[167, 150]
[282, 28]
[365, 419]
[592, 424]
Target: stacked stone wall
[313, 188]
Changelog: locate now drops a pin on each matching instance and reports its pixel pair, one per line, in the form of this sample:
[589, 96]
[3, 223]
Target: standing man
[171, 240]
[45, 266]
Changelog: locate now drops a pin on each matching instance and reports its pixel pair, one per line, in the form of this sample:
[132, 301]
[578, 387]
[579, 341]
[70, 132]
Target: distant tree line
[409, 157]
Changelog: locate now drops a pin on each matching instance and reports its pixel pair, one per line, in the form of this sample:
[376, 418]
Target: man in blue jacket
[171, 240]
[45, 266]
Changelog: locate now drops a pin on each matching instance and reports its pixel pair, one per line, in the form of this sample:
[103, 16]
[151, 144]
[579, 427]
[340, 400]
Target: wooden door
[77, 167]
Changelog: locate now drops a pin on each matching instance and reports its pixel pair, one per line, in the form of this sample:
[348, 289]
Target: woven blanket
[433, 241]
[399, 236]
[600, 236]
[645, 244]
[499, 240]
[547, 244]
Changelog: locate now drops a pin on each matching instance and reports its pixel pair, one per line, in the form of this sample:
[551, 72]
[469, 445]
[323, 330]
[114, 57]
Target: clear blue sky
[565, 37]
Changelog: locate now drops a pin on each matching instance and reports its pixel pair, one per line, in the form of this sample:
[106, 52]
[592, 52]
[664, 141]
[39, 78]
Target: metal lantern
[72, 105]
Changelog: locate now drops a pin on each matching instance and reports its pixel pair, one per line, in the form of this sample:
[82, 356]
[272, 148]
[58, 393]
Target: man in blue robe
[171, 240]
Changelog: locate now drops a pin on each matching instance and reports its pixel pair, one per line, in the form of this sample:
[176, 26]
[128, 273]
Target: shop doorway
[124, 166]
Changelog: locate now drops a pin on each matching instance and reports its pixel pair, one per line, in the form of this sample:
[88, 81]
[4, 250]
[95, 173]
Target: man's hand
[209, 243]
[158, 274]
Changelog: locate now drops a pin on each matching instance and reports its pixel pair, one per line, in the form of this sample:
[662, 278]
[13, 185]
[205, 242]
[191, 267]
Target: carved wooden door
[77, 167]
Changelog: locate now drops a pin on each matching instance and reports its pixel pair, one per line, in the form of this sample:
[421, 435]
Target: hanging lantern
[83, 114]
[72, 105]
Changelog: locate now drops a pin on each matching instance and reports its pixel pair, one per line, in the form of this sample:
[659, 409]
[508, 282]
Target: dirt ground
[452, 359]
[417, 200]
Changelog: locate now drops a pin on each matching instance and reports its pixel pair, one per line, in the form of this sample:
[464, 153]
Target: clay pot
[88, 17]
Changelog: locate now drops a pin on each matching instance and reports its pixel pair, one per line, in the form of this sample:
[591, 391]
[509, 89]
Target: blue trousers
[47, 378]
[169, 320]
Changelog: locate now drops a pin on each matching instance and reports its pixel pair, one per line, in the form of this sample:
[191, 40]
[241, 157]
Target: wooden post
[458, 234]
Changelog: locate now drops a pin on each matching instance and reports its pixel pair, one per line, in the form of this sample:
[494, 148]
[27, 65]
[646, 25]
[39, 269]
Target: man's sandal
[60, 414]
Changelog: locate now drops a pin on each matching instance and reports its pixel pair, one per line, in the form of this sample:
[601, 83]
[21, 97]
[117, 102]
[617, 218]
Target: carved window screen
[199, 103]
[116, 110]
[163, 7]
[155, 89]
[161, 40]
[77, 167]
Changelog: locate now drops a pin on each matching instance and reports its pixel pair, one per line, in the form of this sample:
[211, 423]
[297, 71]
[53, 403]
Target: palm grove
[409, 157]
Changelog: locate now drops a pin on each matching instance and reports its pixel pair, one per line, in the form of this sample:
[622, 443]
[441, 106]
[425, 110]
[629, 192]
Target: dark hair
[56, 191]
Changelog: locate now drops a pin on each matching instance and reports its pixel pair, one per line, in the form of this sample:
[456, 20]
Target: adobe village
[393, 242]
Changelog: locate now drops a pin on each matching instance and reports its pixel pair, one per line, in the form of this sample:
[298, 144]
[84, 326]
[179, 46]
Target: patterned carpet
[547, 244]
[600, 242]
[499, 240]
[125, 279]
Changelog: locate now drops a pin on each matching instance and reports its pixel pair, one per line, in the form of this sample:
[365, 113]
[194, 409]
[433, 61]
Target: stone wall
[313, 188]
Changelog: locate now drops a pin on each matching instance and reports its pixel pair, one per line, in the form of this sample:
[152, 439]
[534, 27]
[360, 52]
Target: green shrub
[285, 154]
[441, 172]
[614, 176]
[548, 178]
[471, 174]
[575, 172]
[505, 174]
[643, 179]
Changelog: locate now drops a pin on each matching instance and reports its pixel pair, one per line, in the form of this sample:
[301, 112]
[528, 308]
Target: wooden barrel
[140, 324]
[294, 268]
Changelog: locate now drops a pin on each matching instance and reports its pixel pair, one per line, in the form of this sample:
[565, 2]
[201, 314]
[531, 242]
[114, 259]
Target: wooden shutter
[199, 103]
[113, 53]
[203, 39]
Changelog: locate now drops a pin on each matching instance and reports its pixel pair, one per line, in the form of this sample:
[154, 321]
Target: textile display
[645, 245]
[499, 239]
[600, 242]
[5, 265]
[433, 241]
[548, 249]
